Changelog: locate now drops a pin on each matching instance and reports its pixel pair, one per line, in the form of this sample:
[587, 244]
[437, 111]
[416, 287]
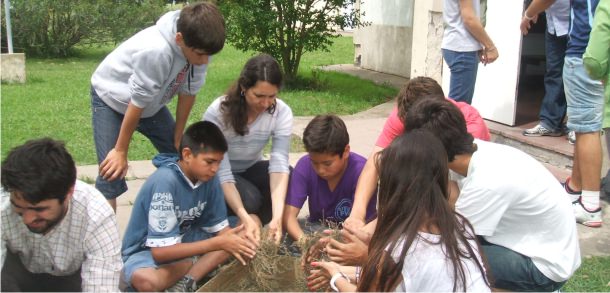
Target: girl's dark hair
[234, 108]
[413, 194]
[40, 169]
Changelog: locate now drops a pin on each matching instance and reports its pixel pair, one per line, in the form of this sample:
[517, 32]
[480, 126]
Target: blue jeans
[553, 108]
[159, 129]
[463, 67]
[513, 271]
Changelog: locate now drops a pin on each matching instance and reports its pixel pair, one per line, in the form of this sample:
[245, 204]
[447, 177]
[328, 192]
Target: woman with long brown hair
[249, 115]
[420, 243]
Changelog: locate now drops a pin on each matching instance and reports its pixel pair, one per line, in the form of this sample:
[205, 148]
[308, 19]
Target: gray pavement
[363, 127]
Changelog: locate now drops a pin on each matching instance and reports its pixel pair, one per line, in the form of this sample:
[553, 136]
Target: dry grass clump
[273, 269]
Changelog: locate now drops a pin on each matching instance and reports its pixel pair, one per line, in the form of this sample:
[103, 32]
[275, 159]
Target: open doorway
[530, 90]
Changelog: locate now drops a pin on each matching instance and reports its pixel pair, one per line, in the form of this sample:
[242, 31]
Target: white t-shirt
[456, 37]
[512, 200]
[427, 269]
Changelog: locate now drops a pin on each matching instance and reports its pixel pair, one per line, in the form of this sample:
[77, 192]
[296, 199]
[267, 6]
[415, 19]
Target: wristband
[357, 277]
[527, 17]
[334, 279]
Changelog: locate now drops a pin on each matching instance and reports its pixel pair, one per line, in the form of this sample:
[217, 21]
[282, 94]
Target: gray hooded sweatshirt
[147, 70]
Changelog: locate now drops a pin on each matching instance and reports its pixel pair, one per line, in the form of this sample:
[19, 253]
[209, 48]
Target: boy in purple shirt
[327, 176]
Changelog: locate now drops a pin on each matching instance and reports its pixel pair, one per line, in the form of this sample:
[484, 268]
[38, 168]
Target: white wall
[385, 44]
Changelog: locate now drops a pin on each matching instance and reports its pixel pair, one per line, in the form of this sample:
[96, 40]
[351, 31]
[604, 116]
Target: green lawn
[592, 276]
[55, 100]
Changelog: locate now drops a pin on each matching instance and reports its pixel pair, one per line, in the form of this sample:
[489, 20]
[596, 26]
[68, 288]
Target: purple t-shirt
[325, 204]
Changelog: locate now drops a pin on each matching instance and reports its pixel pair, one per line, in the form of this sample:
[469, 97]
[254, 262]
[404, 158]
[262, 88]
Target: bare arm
[367, 182]
[530, 15]
[279, 186]
[114, 165]
[183, 110]
[473, 24]
[252, 229]
[291, 222]
[227, 240]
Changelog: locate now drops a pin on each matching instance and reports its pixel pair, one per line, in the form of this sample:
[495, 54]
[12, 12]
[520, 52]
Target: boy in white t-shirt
[520, 212]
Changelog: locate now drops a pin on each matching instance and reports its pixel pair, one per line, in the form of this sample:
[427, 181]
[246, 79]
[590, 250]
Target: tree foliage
[286, 29]
[53, 27]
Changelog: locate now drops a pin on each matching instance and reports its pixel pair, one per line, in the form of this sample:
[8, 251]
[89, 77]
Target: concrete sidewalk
[363, 127]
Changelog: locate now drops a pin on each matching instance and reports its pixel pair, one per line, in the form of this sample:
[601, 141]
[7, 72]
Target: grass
[55, 100]
[592, 276]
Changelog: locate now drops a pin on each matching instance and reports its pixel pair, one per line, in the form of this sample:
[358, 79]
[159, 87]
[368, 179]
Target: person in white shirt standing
[520, 212]
[58, 233]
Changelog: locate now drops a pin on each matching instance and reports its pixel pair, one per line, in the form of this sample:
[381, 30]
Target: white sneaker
[588, 218]
[571, 137]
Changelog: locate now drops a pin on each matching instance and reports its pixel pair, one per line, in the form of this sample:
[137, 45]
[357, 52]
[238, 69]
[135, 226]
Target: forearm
[233, 199]
[128, 126]
[537, 7]
[278, 183]
[292, 223]
[183, 110]
[367, 182]
[472, 22]
[184, 250]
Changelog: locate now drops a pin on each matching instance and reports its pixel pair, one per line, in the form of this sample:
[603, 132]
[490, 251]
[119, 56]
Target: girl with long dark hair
[420, 243]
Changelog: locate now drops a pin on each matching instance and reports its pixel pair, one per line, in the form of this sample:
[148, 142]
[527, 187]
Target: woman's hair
[413, 195]
[234, 108]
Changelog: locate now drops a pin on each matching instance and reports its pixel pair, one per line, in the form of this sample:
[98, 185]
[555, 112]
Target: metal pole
[9, 32]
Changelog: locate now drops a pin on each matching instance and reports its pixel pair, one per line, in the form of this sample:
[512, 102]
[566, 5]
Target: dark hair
[202, 27]
[234, 108]
[38, 170]
[203, 136]
[413, 194]
[326, 134]
[444, 120]
[420, 87]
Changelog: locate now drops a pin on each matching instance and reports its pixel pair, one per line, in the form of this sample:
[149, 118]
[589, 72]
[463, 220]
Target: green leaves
[286, 29]
[54, 27]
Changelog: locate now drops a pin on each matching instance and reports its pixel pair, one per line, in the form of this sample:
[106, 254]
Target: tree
[286, 29]
[54, 27]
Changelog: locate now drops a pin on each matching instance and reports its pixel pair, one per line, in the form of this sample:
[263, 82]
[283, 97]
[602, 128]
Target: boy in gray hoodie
[179, 230]
[131, 87]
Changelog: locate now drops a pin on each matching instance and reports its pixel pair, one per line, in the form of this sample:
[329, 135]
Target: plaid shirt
[87, 238]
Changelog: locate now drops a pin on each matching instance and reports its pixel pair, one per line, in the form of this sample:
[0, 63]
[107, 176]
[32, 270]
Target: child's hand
[354, 222]
[275, 230]
[314, 252]
[353, 252]
[114, 165]
[237, 245]
[321, 274]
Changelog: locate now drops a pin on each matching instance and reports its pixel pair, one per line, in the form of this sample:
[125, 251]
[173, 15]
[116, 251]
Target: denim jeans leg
[463, 67]
[553, 108]
[106, 126]
[159, 129]
[513, 271]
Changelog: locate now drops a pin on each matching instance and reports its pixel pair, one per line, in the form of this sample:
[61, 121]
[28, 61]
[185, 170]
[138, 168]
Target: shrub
[286, 29]
[54, 27]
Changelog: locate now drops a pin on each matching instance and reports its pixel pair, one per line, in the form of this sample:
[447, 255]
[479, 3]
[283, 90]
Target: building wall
[385, 44]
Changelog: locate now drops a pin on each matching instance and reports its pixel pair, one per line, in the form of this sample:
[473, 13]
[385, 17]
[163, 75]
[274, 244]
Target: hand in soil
[238, 246]
[275, 230]
[321, 274]
[352, 252]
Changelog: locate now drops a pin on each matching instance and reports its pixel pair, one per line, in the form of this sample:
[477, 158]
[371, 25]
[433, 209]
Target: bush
[54, 27]
[286, 29]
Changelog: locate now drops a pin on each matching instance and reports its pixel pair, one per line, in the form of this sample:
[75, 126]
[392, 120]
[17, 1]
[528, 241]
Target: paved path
[363, 127]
